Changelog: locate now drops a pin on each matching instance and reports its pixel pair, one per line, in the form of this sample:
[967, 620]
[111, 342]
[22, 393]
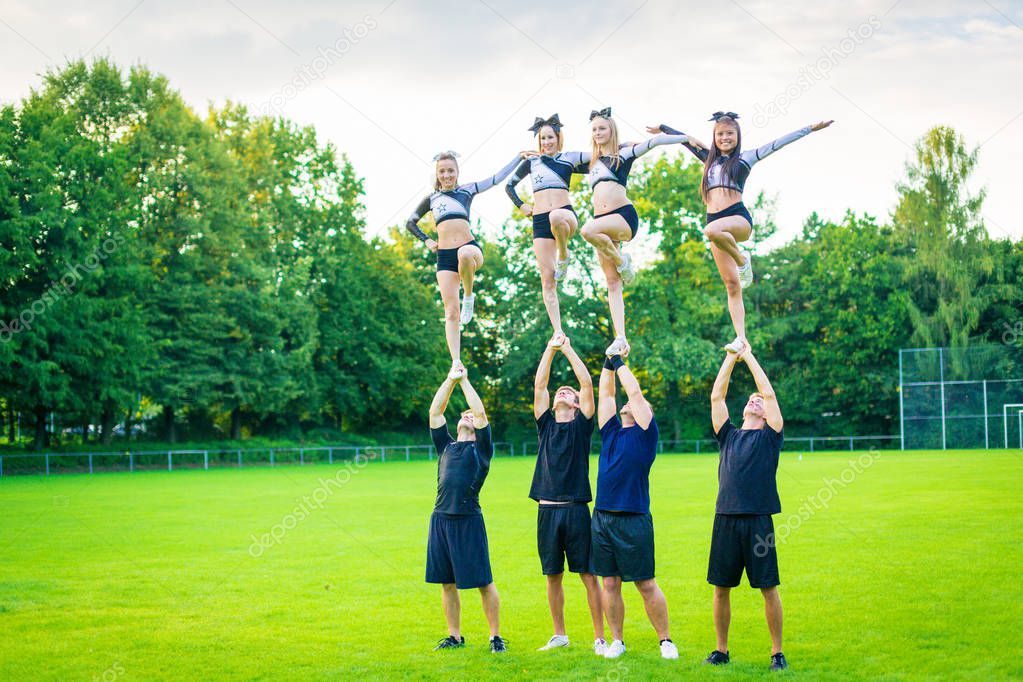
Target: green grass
[910, 572]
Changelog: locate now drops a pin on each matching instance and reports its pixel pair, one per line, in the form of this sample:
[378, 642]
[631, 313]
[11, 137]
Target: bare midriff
[608, 196]
[546, 200]
[453, 233]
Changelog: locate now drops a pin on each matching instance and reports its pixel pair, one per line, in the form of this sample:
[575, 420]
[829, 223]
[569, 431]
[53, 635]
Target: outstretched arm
[541, 396]
[772, 411]
[440, 403]
[766, 150]
[607, 407]
[640, 407]
[475, 403]
[582, 375]
[718, 407]
[484, 185]
[655, 141]
[699, 149]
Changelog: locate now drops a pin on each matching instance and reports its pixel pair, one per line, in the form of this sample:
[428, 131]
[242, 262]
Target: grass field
[907, 569]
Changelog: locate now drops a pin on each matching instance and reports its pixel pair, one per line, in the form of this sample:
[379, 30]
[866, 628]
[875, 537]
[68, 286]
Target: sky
[392, 82]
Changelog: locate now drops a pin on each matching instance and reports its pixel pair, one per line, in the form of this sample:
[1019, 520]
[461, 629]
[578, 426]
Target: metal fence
[151, 460]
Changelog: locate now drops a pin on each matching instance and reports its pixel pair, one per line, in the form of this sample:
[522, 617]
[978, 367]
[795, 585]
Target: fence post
[131, 462]
[239, 459]
[90, 463]
[811, 444]
[1, 466]
[301, 456]
[357, 453]
[206, 459]
[429, 454]
[271, 456]
[697, 447]
[330, 455]
[170, 464]
[47, 465]
[850, 443]
[407, 455]
[383, 453]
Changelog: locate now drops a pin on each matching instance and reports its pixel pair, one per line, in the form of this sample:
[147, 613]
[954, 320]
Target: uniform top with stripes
[548, 172]
[455, 203]
[716, 174]
[606, 169]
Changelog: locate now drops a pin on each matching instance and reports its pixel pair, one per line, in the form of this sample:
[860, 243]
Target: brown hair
[731, 164]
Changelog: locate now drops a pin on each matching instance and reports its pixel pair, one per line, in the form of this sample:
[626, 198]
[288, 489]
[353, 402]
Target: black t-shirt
[462, 466]
[562, 472]
[747, 470]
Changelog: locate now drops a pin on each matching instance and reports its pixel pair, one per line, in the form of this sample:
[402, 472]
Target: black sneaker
[497, 645]
[778, 661]
[717, 658]
[450, 642]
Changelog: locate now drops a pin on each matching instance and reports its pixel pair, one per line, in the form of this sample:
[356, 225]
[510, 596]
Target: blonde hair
[561, 138]
[613, 143]
[443, 156]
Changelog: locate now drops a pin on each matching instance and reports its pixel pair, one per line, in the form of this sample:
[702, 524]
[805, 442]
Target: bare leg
[724, 233]
[545, 251]
[563, 225]
[556, 601]
[730, 276]
[448, 283]
[656, 606]
[614, 605]
[470, 259]
[772, 611]
[614, 294]
[603, 232]
[491, 607]
[593, 598]
[722, 616]
[452, 609]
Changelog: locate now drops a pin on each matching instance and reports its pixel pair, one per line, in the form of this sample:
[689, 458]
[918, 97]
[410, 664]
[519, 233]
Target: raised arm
[607, 406]
[582, 375]
[699, 149]
[484, 185]
[541, 396]
[772, 411]
[580, 161]
[479, 413]
[718, 406]
[656, 141]
[412, 225]
[640, 407]
[761, 153]
[440, 403]
[518, 176]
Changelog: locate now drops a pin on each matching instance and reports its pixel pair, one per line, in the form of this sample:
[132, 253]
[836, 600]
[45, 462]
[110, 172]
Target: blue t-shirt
[623, 471]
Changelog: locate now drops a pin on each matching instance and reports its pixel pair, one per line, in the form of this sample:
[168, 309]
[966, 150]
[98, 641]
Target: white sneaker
[599, 646]
[615, 649]
[735, 346]
[468, 303]
[617, 347]
[668, 649]
[746, 271]
[626, 269]
[555, 642]
[560, 269]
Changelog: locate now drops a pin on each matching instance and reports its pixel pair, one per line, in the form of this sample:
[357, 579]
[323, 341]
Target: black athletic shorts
[628, 211]
[457, 552]
[542, 223]
[738, 208]
[563, 531]
[743, 541]
[622, 544]
[447, 259]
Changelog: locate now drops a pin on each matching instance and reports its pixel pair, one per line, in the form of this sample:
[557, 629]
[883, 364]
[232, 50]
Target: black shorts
[743, 541]
[622, 545]
[563, 531]
[447, 259]
[457, 552]
[738, 208]
[628, 211]
[542, 223]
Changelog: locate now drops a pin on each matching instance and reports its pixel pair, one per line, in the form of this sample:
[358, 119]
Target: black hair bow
[723, 114]
[603, 113]
[553, 122]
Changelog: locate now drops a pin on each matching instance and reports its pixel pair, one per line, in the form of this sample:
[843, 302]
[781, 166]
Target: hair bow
[603, 113]
[723, 114]
[553, 122]
[437, 157]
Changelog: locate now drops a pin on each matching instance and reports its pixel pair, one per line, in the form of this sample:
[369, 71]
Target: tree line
[167, 275]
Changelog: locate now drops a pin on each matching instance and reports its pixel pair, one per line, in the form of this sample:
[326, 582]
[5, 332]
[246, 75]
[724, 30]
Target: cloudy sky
[393, 82]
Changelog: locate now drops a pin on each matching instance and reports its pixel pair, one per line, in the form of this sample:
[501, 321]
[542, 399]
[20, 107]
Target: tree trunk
[42, 437]
[85, 431]
[107, 426]
[129, 423]
[236, 423]
[12, 425]
[169, 433]
[675, 403]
